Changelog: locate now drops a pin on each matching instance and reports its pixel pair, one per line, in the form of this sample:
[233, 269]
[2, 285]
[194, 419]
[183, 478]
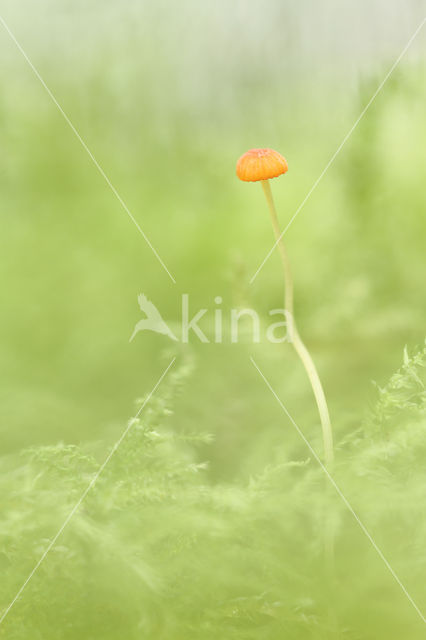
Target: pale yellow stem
[298, 345]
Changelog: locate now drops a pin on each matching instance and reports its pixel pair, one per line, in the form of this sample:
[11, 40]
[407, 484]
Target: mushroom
[262, 165]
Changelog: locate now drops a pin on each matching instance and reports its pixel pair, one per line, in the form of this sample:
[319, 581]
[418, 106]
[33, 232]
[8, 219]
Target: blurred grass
[167, 124]
[74, 263]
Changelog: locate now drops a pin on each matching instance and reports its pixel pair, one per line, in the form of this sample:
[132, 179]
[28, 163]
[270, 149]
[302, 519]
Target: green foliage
[404, 394]
[156, 550]
[186, 535]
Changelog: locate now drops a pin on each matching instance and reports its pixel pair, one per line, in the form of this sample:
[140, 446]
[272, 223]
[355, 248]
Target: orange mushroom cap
[261, 164]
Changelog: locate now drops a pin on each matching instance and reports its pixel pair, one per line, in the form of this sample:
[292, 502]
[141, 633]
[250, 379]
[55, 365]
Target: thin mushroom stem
[298, 345]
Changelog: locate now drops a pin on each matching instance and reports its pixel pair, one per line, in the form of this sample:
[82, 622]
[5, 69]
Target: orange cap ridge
[261, 164]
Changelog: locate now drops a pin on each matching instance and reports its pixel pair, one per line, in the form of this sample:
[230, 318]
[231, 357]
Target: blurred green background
[167, 97]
